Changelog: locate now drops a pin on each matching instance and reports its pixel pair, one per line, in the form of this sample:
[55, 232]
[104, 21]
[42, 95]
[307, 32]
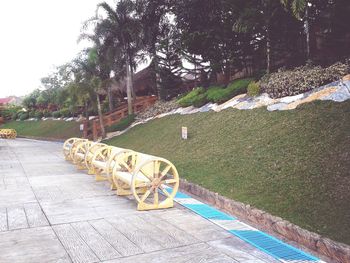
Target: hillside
[50, 129]
[294, 164]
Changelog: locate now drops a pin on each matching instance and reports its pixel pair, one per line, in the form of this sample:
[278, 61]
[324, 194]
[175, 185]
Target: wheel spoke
[165, 191]
[144, 197]
[145, 184]
[170, 181]
[156, 169]
[126, 166]
[150, 179]
[165, 171]
[156, 197]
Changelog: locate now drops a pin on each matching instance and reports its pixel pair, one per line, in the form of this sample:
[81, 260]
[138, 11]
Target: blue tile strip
[272, 246]
[209, 212]
[264, 242]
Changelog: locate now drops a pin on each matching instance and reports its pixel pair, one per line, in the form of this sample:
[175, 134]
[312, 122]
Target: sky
[36, 36]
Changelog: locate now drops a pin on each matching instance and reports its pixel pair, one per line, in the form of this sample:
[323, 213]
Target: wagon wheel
[79, 147]
[102, 155]
[74, 146]
[66, 150]
[124, 161]
[91, 149]
[157, 176]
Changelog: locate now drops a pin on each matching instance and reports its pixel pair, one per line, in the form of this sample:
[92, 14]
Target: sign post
[184, 133]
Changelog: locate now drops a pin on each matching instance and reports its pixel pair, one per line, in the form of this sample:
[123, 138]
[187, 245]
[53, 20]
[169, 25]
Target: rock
[346, 77]
[277, 106]
[246, 105]
[341, 94]
[207, 107]
[69, 119]
[337, 251]
[290, 99]
[232, 102]
[158, 108]
[312, 97]
[187, 110]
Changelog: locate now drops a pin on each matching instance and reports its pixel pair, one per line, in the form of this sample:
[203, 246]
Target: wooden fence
[92, 128]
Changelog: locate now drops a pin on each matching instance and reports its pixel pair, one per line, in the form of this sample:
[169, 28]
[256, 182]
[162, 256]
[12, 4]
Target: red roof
[5, 100]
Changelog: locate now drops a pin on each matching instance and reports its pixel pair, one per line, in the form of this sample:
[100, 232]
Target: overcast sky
[36, 35]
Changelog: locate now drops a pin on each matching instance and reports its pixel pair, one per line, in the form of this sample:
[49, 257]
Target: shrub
[188, 99]
[218, 94]
[65, 112]
[253, 89]
[14, 116]
[39, 114]
[200, 100]
[239, 86]
[122, 125]
[47, 113]
[23, 116]
[301, 79]
[56, 114]
[32, 114]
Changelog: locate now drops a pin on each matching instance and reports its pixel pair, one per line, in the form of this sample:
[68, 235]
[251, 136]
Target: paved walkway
[51, 212]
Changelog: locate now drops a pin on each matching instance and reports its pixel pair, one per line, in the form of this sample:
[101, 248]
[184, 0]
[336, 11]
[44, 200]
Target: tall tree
[121, 25]
[300, 9]
[154, 21]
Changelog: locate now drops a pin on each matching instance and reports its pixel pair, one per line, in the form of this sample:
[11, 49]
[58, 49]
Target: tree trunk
[268, 50]
[129, 86]
[100, 116]
[87, 110]
[110, 98]
[307, 32]
[156, 74]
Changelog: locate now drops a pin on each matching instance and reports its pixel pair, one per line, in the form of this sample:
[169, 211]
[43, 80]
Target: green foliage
[56, 114]
[32, 114]
[301, 79]
[190, 97]
[122, 125]
[39, 114]
[200, 100]
[239, 86]
[14, 116]
[9, 111]
[23, 116]
[47, 113]
[218, 94]
[65, 113]
[253, 89]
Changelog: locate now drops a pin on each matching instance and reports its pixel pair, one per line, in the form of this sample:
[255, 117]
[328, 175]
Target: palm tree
[153, 16]
[300, 9]
[122, 27]
[92, 78]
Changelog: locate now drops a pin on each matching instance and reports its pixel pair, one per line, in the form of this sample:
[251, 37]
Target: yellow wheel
[156, 175]
[90, 151]
[67, 146]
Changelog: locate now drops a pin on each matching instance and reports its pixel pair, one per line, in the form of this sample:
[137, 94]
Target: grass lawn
[45, 129]
[293, 164]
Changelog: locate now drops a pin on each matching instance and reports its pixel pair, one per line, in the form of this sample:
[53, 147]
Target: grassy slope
[294, 164]
[45, 129]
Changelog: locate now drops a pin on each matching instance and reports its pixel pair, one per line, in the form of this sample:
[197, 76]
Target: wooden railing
[92, 128]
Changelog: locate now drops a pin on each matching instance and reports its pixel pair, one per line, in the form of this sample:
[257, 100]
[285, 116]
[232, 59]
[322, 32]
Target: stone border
[337, 251]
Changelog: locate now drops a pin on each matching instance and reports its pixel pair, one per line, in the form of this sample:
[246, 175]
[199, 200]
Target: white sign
[184, 133]
[81, 127]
